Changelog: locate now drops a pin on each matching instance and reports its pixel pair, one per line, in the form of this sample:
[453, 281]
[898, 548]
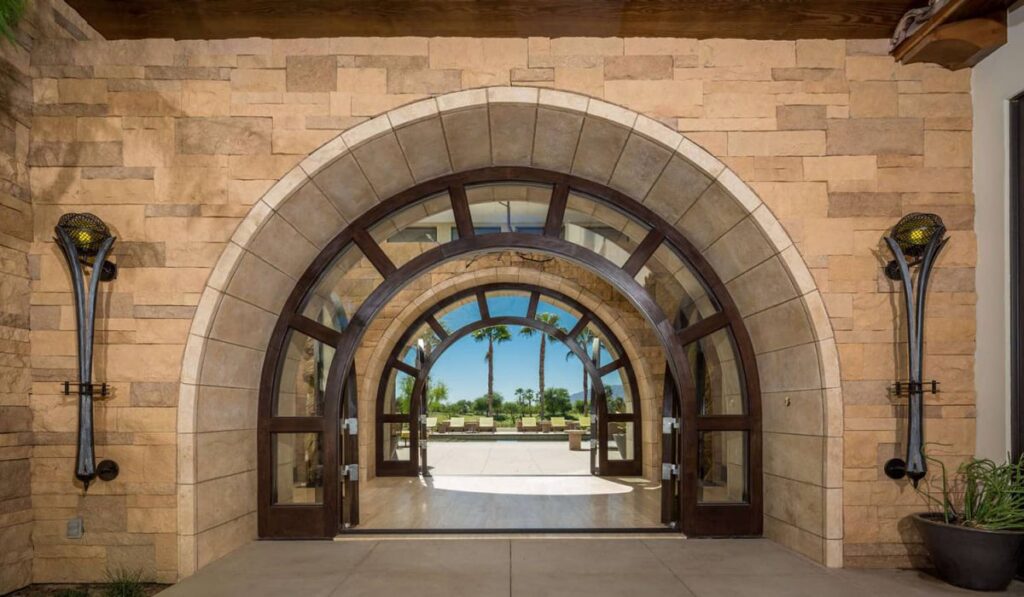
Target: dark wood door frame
[1016, 276]
[322, 520]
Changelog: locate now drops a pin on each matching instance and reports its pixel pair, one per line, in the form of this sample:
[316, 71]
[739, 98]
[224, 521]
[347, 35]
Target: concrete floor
[508, 485]
[535, 567]
[506, 458]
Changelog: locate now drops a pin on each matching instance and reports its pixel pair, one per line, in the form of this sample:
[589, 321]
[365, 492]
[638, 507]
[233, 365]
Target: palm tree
[552, 320]
[495, 334]
[585, 338]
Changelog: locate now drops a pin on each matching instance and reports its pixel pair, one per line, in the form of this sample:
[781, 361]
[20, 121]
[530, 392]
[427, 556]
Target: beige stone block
[556, 137]
[231, 136]
[383, 164]
[833, 168]
[311, 73]
[780, 327]
[344, 184]
[820, 53]
[935, 105]
[512, 133]
[586, 80]
[258, 80]
[241, 323]
[947, 148]
[735, 52]
[762, 287]
[477, 53]
[230, 366]
[225, 499]
[875, 136]
[637, 67]
[224, 453]
[98, 129]
[659, 46]
[468, 134]
[778, 143]
[744, 105]
[298, 142]
[873, 99]
[222, 540]
[656, 98]
[388, 46]
[82, 91]
[601, 143]
[584, 46]
[801, 117]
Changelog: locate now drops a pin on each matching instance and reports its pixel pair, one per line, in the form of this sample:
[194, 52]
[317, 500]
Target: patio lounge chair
[431, 425]
[585, 423]
[485, 424]
[528, 424]
[457, 424]
[557, 423]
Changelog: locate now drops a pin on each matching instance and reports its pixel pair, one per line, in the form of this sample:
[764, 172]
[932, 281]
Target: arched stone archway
[736, 233]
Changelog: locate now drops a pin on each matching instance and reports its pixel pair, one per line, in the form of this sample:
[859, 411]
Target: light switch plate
[75, 528]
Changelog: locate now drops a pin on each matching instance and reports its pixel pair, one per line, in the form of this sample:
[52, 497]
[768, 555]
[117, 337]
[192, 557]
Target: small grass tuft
[123, 582]
[75, 592]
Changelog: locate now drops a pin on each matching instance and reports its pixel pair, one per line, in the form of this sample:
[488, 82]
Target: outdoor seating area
[441, 425]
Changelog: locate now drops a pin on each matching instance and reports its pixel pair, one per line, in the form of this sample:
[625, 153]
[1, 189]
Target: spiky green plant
[124, 582]
[981, 494]
[10, 13]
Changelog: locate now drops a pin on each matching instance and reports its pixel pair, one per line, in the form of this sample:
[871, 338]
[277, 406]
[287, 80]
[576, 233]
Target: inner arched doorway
[711, 431]
[586, 336]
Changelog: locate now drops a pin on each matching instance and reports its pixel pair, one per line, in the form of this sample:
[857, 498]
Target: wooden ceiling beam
[745, 19]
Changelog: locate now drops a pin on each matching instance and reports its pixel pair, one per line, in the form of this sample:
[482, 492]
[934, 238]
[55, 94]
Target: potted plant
[975, 532]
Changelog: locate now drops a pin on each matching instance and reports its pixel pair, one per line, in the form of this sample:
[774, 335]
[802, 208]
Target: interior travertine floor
[509, 485]
[536, 567]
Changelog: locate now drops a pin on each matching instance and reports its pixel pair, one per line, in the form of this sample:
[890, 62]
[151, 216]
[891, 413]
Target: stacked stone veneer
[174, 143]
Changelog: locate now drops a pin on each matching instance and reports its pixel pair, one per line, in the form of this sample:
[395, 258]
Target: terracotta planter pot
[971, 558]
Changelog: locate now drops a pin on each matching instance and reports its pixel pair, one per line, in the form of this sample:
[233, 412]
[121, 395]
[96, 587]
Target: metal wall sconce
[915, 242]
[86, 242]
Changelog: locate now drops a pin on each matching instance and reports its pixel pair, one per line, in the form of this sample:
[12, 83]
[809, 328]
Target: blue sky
[463, 368]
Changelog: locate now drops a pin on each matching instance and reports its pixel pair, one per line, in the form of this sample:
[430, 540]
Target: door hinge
[669, 471]
[350, 472]
[669, 424]
[351, 426]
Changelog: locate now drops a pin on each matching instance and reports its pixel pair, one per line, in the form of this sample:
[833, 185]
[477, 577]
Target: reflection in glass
[604, 230]
[675, 288]
[508, 207]
[343, 287]
[459, 313]
[566, 316]
[395, 441]
[617, 393]
[398, 394]
[620, 441]
[414, 229]
[508, 303]
[298, 468]
[722, 462]
[303, 378]
[716, 374]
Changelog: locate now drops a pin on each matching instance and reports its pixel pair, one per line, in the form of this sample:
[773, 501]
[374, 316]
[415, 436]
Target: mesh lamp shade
[86, 230]
[914, 231]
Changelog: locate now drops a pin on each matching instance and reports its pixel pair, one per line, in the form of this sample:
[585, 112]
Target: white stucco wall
[997, 79]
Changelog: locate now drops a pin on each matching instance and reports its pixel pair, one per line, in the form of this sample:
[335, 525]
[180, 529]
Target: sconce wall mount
[915, 242]
[85, 242]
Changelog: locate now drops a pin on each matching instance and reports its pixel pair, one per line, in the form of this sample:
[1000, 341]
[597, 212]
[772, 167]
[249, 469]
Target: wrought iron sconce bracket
[920, 236]
[85, 242]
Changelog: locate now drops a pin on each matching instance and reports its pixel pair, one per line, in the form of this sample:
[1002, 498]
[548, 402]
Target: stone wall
[173, 142]
[41, 20]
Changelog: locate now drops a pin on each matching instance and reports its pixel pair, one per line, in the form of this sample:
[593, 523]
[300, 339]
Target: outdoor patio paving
[531, 567]
[507, 457]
